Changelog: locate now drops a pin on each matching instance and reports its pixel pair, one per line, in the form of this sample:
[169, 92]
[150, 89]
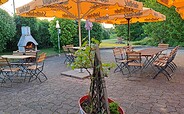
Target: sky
[8, 6]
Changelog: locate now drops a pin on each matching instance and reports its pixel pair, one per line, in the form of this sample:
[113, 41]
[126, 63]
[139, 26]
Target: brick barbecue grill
[27, 45]
[26, 42]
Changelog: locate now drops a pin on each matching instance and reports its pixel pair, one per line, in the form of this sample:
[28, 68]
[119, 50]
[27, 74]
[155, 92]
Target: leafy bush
[7, 28]
[105, 34]
[145, 41]
[43, 37]
[95, 33]
[113, 106]
[68, 32]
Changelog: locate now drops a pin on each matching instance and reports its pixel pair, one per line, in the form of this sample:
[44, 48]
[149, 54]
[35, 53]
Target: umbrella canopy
[179, 4]
[169, 3]
[181, 11]
[146, 15]
[78, 9]
[3, 1]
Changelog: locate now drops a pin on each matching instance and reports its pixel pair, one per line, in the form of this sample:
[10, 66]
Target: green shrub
[113, 108]
[7, 28]
[145, 41]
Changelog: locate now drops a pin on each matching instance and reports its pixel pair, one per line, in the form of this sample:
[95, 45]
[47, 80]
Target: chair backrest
[17, 53]
[128, 48]
[32, 53]
[69, 46]
[3, 62]
[161, 45]
[133, 56]
[173, 51]
[65, 49]
[41, 57]
[118, 54]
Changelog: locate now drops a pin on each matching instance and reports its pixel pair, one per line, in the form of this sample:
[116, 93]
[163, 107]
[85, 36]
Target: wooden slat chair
[71, 51]
[128, 48]
[37, 68]
[120, 59]
[68, 55]
[8, 71]
[134, 61]
[172, 65]
[166, 62]
[162, 45]
[31, 53]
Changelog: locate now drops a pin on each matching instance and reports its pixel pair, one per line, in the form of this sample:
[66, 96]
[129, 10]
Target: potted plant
[96, 102]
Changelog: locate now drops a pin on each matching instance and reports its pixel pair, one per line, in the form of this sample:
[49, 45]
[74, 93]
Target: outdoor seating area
[22, 66]
[129, 61]
[131, 97]
[91, 57]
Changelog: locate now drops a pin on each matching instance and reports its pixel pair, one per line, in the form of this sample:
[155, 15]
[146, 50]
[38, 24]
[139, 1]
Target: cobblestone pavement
[60, 94]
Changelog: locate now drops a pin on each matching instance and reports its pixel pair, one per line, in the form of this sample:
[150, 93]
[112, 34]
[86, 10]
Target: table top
[151, 51]
[83, 48]
[16, 56]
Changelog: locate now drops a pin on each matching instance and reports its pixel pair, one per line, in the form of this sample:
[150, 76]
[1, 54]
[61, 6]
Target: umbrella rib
[66, 11]
[94, 7]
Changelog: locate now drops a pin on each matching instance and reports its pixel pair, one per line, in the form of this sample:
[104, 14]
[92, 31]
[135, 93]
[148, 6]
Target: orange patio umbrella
[3, 1]
[179, 4]
[181, 11]
[146, 15]
[78, 9]
[169, 3]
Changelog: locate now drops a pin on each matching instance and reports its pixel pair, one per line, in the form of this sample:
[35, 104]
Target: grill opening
[30, 46]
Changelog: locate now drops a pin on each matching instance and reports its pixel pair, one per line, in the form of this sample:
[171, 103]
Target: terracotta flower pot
[85, 97]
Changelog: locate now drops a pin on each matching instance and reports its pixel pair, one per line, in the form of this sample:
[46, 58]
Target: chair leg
[162, 70]
[36, 74]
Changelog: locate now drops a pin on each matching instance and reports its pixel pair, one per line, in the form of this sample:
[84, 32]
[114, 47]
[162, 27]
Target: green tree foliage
[169, 31]
[43, 37]
[7, 28]
[95, 33]
[105, 34]
[68, 32]
[24, 21]
[136, 31]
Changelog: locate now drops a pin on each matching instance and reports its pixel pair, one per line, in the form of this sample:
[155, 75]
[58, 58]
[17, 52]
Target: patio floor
[60, 94]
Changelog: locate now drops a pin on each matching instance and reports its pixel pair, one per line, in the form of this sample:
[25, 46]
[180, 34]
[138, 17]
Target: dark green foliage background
[7, 28]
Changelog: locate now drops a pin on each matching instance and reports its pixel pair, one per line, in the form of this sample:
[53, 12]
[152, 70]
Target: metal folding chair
[37, 69]
[7, 70]
[68, 55]
[166, 46]
[165, 62]
[120, 59]
[134, 61]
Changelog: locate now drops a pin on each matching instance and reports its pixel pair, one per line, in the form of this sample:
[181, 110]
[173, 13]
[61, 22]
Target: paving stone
[60, 94]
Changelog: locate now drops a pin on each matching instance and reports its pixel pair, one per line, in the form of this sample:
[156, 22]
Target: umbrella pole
[79, 24]
[89, 38]
[128, 40]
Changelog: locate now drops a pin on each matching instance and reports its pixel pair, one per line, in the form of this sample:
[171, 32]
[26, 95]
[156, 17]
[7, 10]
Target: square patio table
[151, 54]
[17, 56]
[20, 64]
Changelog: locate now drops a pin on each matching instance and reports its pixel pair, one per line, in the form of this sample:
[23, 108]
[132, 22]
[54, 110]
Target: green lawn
[110, 43]
[49, 51]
